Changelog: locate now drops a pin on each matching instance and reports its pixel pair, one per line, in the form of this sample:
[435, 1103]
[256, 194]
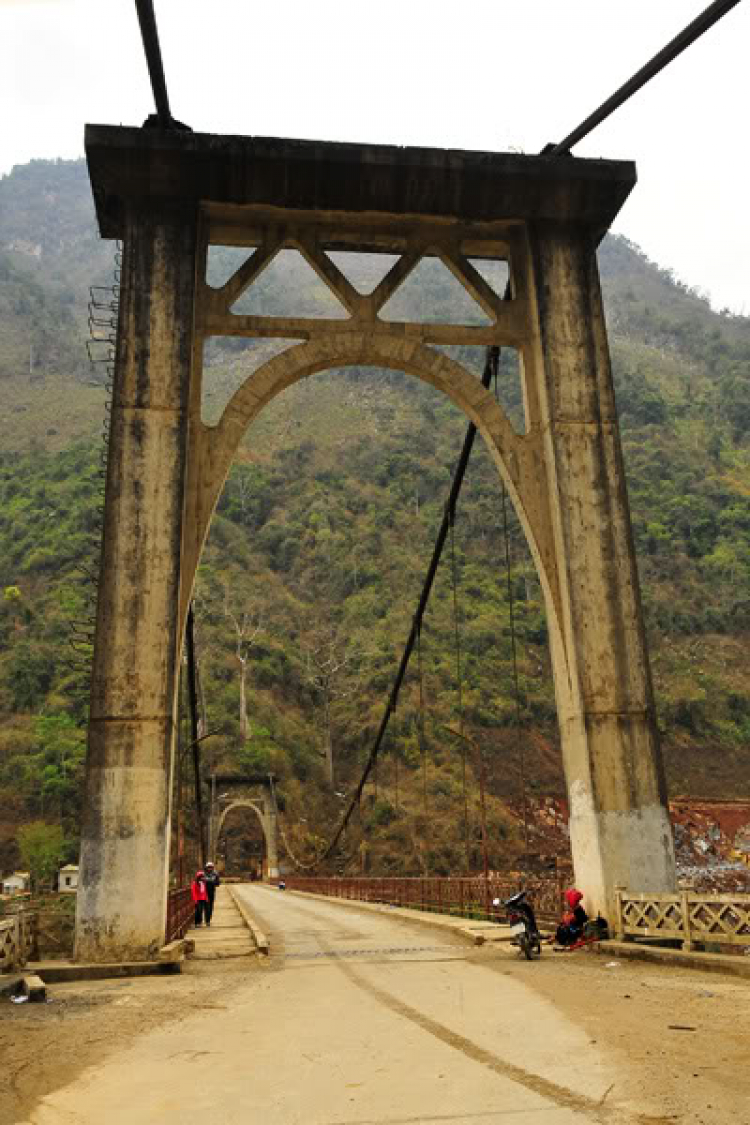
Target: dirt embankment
[683, 1035]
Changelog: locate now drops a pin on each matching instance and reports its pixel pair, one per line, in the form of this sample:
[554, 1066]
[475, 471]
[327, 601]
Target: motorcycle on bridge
[523, 927]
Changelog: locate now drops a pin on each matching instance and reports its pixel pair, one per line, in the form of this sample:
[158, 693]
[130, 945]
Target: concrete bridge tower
[170, 196]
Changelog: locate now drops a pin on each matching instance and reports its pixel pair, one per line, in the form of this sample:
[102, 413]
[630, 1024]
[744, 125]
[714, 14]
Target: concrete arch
[266, 816]
[518, 458]
[241, 804]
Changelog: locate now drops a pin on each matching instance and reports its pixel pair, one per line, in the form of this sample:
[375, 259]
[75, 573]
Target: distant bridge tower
[255, 793]
[170, 196]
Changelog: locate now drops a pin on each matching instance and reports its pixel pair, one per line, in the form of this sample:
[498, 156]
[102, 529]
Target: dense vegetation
[318, 548]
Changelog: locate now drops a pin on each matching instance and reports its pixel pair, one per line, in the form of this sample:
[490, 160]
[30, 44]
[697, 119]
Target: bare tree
[247, 629]
[330, 665]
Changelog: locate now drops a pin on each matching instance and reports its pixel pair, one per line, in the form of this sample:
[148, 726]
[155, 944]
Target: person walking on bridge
[200, 897]
[212, 882]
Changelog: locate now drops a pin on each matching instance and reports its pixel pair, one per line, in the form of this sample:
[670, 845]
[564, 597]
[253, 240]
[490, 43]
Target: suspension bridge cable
[299, 864]
[420, 721]
[195, 734]
[712, 14]
[182, 743]
[459, 690]
[152, 50]
[448, 516]
[520, 752]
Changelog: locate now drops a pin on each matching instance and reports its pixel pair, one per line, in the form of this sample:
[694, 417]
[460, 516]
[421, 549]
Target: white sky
[482, 74]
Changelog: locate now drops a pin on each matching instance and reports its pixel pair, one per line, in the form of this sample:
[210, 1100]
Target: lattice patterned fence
[17, 940]
[693, 919]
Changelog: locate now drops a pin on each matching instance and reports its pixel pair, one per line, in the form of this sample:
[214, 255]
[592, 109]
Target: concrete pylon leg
[125, 831]
[270, 828]
[619, 824]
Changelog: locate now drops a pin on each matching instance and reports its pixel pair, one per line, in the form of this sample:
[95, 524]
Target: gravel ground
[44, 1046]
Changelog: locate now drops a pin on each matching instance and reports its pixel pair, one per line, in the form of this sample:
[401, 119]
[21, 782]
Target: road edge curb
[262, 943]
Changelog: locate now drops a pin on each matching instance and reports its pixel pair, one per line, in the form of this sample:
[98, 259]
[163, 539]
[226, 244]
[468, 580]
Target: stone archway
[173, 197]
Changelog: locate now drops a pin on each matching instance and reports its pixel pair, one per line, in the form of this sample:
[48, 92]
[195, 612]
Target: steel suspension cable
[712, 14]
[152, 50]
[448, 515]
[183, 741]
[459, 690]
[194, 731]
[520, 752]
[300, 865]
[420, 721]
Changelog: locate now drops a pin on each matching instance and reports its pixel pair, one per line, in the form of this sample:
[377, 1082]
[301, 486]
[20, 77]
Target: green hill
[319, 545]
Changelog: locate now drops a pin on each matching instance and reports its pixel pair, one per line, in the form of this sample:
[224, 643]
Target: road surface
[360, 1018]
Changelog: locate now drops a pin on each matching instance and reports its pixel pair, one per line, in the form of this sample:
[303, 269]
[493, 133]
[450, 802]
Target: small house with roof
[67, 879]
[17, 883]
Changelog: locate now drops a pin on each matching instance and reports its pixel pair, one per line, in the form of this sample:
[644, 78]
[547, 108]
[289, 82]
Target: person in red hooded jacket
[200, 897]
[574, 919]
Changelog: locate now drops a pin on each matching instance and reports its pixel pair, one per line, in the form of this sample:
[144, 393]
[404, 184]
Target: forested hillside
[318, 549]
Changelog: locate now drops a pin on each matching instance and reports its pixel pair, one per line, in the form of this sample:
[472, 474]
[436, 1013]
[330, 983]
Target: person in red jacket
[200, 897]
[575, 918]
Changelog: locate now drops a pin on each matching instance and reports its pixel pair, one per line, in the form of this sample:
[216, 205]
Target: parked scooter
[523, 925]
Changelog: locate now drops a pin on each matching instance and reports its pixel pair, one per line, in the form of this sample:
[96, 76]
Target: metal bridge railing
[464, 897]
[179, 913]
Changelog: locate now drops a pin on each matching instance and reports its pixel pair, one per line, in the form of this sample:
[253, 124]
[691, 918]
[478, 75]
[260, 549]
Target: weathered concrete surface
[619, 824]
[151, 165]
[258, 936]
[168, 960]
[173, 195]
[124, 842]
[728, 963]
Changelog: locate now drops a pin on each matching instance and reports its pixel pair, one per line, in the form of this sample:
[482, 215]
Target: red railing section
[180, 912]
[464, 897]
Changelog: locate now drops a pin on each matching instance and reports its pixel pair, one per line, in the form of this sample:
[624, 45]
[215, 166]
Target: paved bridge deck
[362, 1017]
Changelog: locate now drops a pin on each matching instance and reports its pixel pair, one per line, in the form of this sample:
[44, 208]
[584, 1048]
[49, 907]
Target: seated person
[570, 929]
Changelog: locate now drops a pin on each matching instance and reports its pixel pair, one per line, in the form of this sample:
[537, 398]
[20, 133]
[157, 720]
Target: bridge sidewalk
[227, 936]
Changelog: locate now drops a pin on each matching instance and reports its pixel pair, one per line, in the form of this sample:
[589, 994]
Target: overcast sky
[480, 74]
